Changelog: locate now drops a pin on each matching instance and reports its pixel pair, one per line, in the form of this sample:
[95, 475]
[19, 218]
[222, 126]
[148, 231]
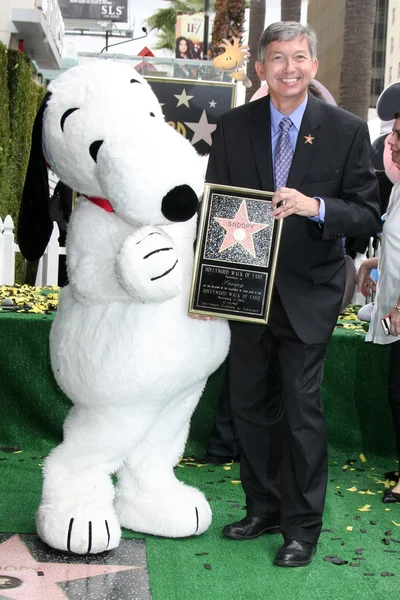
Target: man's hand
[294, 203]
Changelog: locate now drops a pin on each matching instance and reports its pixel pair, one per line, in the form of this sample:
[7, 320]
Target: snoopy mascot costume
[123, 348]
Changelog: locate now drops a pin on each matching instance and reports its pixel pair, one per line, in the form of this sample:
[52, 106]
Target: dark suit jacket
[310, 276]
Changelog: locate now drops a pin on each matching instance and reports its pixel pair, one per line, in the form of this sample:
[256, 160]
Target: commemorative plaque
[236, 254]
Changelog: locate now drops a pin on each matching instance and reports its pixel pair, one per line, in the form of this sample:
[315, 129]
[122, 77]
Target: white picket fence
[48, 265]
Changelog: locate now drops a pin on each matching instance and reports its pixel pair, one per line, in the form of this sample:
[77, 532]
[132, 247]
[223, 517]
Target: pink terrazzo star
[240, 230]
[16, 561]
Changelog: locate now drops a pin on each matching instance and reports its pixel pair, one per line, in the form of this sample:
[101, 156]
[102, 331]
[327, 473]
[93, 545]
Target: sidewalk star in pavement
[40, 579]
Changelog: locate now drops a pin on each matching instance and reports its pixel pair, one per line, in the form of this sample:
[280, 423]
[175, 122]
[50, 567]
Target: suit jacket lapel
[305, 152]
[260, 131]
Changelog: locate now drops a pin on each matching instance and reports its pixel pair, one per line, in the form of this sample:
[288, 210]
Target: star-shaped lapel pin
[309, 139]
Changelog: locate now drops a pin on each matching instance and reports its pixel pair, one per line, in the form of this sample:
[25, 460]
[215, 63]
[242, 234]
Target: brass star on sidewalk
[309, 139]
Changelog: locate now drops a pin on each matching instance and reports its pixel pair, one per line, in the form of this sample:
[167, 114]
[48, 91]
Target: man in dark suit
[275, 371]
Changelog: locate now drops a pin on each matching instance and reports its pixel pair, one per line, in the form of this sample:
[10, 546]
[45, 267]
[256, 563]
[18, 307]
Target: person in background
[182, 48]
[60, 209]
[317, 159]
[387, 299]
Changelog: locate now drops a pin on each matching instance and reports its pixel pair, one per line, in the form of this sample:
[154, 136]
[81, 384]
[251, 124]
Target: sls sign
[95, 10]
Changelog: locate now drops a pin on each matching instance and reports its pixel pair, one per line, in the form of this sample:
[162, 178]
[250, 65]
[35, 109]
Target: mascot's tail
[34, 224]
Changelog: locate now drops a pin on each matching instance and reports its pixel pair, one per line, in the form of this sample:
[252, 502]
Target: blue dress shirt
[296, 117]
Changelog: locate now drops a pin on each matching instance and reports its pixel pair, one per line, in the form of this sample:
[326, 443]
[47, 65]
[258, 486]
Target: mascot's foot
[82, 529]
[173, 511]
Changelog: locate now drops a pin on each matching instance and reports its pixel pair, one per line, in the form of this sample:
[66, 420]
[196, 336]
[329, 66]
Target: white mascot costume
[122, 345]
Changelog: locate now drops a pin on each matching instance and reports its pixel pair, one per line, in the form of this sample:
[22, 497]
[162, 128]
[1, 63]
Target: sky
[139, 10]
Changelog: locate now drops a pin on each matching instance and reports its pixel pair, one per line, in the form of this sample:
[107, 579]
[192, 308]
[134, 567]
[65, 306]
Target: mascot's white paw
[148, 265]
[173, 511]
[81, 529]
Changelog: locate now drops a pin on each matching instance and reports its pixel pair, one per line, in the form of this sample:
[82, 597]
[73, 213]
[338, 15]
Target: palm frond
[165, 40]
[163, 18]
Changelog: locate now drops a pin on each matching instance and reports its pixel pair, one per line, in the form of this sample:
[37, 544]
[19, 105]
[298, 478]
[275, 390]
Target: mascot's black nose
[180, 204]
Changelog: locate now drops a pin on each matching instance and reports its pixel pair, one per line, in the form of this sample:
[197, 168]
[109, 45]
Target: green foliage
[4, 131]
[164, 20]
[20, 98]
[24, 96]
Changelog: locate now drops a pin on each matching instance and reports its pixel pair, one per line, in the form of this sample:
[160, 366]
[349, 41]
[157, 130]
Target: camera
[386, 325]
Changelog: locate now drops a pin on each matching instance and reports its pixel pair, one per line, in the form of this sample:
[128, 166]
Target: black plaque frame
[238, 289]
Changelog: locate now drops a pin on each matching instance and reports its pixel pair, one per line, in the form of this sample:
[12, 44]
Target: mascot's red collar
[102, 202]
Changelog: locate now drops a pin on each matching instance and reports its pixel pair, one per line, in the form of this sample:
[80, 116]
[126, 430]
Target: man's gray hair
[285, 31]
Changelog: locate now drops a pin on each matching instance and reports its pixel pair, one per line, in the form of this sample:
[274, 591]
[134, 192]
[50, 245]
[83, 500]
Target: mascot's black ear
[34, 224]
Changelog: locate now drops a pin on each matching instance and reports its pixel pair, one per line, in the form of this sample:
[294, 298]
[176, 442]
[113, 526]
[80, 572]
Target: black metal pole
[206, 22]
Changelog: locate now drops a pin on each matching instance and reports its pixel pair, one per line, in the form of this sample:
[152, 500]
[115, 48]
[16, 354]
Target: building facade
[34, 26]
[327, 19]
[392, 68]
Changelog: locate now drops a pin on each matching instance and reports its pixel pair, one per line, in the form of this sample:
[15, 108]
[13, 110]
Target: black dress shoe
[295, 553]
[215, 459]
[390, 497]
[392, 475]
[250, 528]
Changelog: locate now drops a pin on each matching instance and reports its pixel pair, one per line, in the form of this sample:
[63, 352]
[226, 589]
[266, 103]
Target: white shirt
[388, 288]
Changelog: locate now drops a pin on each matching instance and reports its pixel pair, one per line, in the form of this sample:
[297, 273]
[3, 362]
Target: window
[390, 74]
[398, 71]
[391, 44]
[393, 15]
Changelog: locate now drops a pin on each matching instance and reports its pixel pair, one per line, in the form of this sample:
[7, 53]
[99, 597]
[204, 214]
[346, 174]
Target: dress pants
[274, 384]
[394, 390]
[223, 440]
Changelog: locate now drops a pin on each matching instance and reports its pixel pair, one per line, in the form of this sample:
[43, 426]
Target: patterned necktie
[283, 154]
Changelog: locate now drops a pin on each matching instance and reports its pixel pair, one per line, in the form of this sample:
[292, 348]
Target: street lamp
[206, 21]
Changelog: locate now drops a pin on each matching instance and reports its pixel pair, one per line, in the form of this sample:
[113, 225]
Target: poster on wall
[95, 10]
[189, 35]
[193, 107]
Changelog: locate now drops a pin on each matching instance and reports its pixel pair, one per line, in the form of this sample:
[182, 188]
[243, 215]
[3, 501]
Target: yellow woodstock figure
[233, 59]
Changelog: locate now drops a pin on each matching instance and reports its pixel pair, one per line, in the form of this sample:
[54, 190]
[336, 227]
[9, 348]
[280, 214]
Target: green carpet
[211, 567]
[32, 410]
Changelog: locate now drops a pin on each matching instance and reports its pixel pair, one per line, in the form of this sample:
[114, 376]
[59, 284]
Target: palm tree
[257, 19]
[164, 20]
[221, 26]
[228, 23]
[236, 10]
[290, 10]
[356, 71]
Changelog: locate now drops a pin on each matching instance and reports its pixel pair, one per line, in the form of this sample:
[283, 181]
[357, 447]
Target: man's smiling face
[288, 69]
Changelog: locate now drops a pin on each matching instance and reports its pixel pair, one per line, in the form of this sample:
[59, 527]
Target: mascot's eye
[134, 81]
[152, 114]
[94, 149]
[65, 115]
